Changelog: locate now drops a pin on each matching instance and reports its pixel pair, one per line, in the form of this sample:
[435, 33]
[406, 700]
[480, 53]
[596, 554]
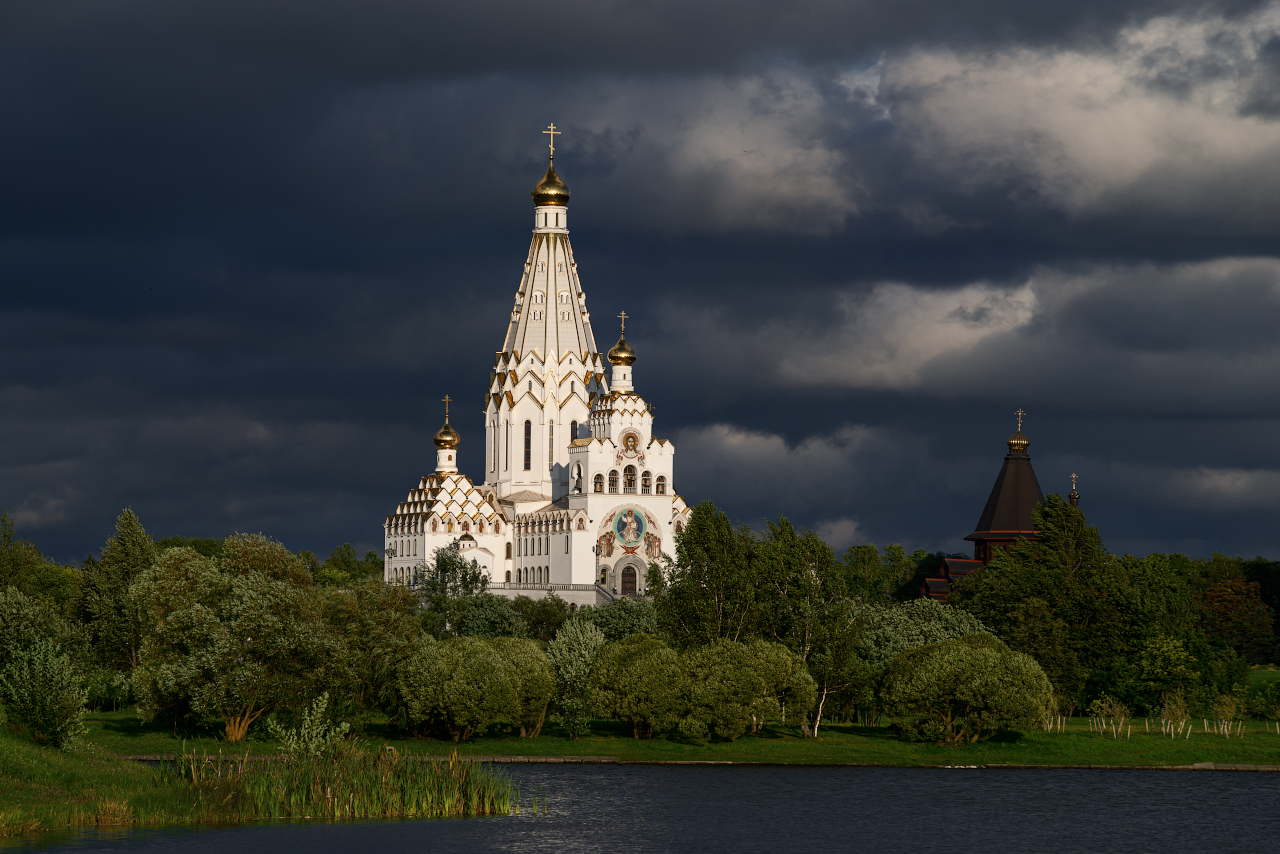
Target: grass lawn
[1261, 677]
[121, 733]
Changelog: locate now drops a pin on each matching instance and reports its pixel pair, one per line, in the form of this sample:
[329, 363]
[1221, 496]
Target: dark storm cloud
[246, 248]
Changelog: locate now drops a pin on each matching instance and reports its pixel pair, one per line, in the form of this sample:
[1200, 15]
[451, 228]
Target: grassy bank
[120, 733]
[42, 788]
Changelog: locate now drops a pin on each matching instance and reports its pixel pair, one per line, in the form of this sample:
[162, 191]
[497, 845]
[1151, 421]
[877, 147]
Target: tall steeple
[548, 372]
[1008, 514]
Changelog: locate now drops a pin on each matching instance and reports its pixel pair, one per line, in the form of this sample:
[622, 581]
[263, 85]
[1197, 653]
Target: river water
[736, 810]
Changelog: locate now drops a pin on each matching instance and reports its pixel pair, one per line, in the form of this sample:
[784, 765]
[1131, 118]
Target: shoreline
[613, 760]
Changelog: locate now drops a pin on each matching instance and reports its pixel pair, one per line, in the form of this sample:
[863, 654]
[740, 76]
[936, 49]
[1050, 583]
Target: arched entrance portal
[629, 581]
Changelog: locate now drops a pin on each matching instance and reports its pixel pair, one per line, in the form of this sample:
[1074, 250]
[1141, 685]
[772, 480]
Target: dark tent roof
[1013, 498]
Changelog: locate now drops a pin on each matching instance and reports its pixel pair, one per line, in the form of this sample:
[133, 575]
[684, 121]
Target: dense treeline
[744, 630]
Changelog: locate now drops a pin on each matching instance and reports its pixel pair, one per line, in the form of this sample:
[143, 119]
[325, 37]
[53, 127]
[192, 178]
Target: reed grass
[349, 783]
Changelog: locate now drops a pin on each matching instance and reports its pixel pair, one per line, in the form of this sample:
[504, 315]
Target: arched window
[519, 575]
[573, 426]
[629, 479]
[613, 481]
[508, 556]
[604, 575]
[599, 483]
[528, 443]
[645, 483]
[577, 478]
[508, 571]
[662, 485]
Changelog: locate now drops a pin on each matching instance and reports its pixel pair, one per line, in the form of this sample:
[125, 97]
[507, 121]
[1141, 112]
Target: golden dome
[551, 190]
[622, 354]
[1018, 443]
[447, 437]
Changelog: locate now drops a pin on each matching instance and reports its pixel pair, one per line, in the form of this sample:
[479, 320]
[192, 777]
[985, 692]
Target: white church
[578, 494]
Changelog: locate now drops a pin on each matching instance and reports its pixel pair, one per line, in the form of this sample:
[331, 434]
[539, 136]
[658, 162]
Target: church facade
[578, 494]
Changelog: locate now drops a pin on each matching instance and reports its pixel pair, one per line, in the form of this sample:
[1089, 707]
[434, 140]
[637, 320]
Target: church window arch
[528, 440]
[599, 483]
[542, 267]
[662, 485]
[629, 480]
[508, 576]
[613, 480]
[508, 558]
[645, 483]
[537, 314]
[573, 429]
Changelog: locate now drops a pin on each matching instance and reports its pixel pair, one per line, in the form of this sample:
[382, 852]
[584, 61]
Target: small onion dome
[447, 437]
[551, 190]
[622, 354]
[1018, 443]
[1074, 498]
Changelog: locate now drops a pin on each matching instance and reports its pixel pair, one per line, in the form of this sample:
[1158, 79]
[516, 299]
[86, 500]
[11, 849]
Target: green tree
[709, 592]
[799, 580]
[623, 617]
[485, 615]
[542, 617]
[207, 546]
[461, 685]
[24, 622]
[103, 604]
[236, 637]
[875, 577]
[536, 682]
[573, 655]
[789, 689]
[441, 585]
[966, 689]
[1234, 613]
[726, 692]
[378, 625]
[639, 680]
[45, 692]
[343, 567]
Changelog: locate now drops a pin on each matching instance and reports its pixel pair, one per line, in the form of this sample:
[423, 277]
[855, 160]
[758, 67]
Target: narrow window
[538, 546]
[613, 481]
[528, 444]
[629, 479]
[599, 483]
[662, 485]
[508, 576]
[645, 483]
[551, 445]
[566, 543]
[507, 463]
[573, 426]
[508, 556]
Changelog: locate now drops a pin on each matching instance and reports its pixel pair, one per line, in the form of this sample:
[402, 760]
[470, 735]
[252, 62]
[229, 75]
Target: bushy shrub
[542, 617]
[623, 618]
[315, 735]
[789, 689]
[725, 690]
[639, 680]
[25, 621]
[460, 685]
[485, 615]
[535, 682]
[45, 692]
[573, 656]
[965, 689]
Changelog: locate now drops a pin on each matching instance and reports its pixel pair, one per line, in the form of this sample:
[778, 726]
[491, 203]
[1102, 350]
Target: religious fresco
[630, 450]
[630, 529]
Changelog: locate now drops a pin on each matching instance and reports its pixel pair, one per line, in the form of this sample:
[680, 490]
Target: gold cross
[1073, 481]
[446, 406]
[624, 321]
[552, 133]
[1019, 413]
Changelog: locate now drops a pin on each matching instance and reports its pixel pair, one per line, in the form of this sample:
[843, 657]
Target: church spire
[1074, 497]
[622, 357]
[1008, 514]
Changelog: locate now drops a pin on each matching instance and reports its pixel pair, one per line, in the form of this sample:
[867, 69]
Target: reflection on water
[771, 809]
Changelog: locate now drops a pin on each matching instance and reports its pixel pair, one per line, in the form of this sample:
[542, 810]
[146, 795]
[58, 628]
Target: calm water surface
[763, 809]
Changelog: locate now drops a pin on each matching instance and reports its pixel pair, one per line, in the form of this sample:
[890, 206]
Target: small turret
[622, 357]
[447, 440]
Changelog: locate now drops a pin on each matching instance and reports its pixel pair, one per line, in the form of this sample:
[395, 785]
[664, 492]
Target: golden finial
[551, 132]
[446, 436]
[1073, 481]
[624, 321]
[622, 354]
[448, 399]
[1018, 443]
[1019, 413]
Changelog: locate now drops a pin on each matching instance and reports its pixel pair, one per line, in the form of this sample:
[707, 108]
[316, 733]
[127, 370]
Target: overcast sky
[246, 247]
